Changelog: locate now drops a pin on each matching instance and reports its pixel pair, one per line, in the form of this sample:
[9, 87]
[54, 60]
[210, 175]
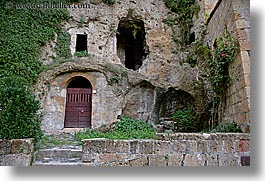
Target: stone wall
[181, 149]
[17, 152]
[234, 15]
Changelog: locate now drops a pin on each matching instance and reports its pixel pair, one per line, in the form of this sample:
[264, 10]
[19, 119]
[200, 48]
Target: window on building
[81, 43]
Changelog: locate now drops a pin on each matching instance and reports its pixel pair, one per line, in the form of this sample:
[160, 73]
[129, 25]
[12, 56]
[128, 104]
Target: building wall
[16, 152]
[234, 15]
[180, 149]
[103, 99]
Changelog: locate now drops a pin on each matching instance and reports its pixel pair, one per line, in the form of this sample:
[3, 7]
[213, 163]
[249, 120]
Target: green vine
[23, 32]
[109, 2]
[185, 11]
[225, 51]
[62, 47]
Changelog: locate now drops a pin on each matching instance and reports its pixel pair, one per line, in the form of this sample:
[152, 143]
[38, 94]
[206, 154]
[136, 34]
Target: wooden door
[78, 108]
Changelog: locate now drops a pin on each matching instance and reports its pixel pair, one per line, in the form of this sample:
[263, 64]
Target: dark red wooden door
[78, 108]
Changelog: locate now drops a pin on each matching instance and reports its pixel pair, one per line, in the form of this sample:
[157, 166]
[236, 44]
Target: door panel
[78, 108]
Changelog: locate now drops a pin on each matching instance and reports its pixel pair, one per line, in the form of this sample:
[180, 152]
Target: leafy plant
[185, 10]
[110, 2]
[82, 54]
[218, 68]
[127, 128]
[25, 31]
[62, 47]
[184, 119]
[227, 128]
[19, 111]
[225, 50]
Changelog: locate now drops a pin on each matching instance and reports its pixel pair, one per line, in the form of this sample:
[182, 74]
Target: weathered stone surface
[222, 149]
[22, 146]
[16, 152]
[117, 90]
[229, 160]
[180, 146]
[5, 147]
[117, 146]
[16, 159]
[162, 147]
[195, 160]
[146, 147]
[141, 160]
[94, 145]
[158, 160]
[175, 160]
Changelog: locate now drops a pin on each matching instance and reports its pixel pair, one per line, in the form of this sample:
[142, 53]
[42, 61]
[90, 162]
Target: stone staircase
[65, 152]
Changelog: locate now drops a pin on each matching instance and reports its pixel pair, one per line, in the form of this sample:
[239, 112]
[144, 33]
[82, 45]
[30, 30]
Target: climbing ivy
[185, 10]
[62, 47]
[23, 32]
[225, 51]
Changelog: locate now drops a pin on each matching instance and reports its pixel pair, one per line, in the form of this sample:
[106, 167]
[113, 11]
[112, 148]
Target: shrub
[184, 119]
[127, 128]
[227, 128]
[19, 116]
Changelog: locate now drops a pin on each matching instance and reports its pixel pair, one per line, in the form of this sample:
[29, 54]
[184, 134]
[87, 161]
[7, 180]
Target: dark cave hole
[131, 45]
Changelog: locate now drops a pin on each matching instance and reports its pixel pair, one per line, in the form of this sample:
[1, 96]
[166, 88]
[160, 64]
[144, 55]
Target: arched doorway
[78, 104]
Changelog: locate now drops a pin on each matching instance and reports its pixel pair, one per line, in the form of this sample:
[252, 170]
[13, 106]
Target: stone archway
[78, 103]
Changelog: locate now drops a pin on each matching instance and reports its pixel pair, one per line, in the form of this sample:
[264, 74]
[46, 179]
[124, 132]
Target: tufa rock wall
[120, 87]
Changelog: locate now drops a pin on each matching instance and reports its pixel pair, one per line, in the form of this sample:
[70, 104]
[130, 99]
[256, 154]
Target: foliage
[19, 116]
[185, 10]
[199, 53]
[110, 2]
[128, 124]
[81, 54]
[127, 128]
[225, 51]
[227, 128]
[62, 47]
[24, 32]
[114, 80]
[184, 119]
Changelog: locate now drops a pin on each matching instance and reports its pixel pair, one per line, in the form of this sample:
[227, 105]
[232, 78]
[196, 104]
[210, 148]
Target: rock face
[131, 66]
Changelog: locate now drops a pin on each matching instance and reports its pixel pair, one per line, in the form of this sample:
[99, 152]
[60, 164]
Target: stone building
[132, 67]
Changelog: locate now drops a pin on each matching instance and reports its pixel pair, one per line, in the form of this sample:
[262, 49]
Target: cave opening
[131, 44]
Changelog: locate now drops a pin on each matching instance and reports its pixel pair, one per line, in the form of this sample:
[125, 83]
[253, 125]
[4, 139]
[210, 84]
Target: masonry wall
[234, 15]
[181, 149]
[102, 100]
[17, 152]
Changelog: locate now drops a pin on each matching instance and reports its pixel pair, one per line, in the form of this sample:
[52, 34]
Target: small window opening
[131, 45]
[192, 38]
[81, 43]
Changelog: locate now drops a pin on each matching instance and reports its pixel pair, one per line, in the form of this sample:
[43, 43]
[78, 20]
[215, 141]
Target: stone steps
[68, 156]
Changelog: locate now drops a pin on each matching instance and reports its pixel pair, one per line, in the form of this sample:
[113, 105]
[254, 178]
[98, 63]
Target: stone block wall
[234, 15]
[17, 152]
[180, 149]
[102, 100]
